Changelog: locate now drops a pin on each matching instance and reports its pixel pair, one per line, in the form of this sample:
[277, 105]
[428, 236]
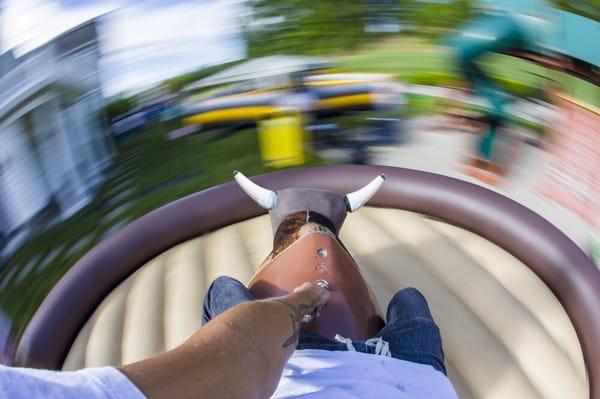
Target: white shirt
[320, 374]
[90, 383]
[309, 373]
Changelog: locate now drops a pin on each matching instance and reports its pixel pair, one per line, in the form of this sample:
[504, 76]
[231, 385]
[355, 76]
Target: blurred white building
[54, 142]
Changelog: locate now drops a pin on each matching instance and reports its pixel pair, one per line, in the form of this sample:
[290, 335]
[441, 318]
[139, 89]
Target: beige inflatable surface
[505, 335]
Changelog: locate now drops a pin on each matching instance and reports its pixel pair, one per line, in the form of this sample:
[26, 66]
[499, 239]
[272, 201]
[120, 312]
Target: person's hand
[314, 296]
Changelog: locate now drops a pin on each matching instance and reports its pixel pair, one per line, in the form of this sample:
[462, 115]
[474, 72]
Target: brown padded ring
[563, 267]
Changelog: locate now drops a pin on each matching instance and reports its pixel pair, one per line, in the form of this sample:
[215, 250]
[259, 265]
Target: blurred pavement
[443, 151]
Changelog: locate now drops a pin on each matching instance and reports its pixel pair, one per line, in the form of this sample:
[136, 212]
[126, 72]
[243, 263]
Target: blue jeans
[410, 330]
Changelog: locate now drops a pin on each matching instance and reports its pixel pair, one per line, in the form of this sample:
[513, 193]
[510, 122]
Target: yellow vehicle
[258, 89]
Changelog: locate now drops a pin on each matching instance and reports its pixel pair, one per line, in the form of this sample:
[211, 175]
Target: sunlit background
[110, 109]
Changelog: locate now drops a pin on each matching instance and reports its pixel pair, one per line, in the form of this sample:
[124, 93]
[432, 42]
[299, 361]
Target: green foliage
[322, 26]
[119, 106]
[305, 27]
[435, 17]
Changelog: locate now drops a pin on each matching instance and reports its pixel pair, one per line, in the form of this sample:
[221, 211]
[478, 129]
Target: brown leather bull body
[314, 253]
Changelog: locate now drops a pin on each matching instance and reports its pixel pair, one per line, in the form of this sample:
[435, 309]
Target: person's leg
[224, 293]
[485, 147]
[411, 332]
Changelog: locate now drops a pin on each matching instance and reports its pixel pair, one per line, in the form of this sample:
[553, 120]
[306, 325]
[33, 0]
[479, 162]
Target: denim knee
[409, 293]
[408, 303]
[223, 293]
[221, 283]
[223, 280]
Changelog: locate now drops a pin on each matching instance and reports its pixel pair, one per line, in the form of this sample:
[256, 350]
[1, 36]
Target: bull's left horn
[263, 197]
[358, 198]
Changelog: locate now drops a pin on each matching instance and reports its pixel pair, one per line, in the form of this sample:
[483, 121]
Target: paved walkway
[442, 152]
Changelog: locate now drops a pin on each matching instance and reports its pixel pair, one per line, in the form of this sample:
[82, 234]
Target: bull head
[333, 207]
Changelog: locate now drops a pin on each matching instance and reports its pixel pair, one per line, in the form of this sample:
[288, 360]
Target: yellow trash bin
[281, 140]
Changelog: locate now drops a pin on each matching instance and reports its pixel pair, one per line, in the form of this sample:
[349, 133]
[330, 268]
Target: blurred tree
[435, 17]
[322, 26]
[305, 26]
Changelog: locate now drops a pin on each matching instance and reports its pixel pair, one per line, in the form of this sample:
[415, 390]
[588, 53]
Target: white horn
[263, 197]
[358, 198]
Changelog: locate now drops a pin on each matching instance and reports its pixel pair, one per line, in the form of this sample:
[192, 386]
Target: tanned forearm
[239, 354]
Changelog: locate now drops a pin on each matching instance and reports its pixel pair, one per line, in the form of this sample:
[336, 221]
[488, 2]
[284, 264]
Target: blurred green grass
[411, 58]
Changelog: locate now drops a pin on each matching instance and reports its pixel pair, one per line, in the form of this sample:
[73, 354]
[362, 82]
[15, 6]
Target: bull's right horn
[358, 198]
[263, 197]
